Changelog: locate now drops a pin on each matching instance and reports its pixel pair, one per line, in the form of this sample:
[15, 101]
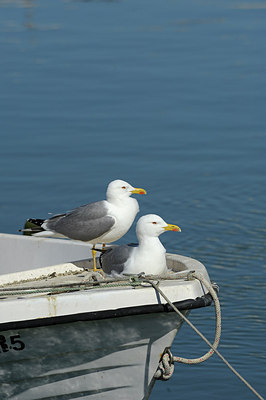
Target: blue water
[170, 96]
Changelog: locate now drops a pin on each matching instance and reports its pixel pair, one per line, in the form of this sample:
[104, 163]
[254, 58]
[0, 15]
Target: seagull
[148, 256]
[100, 222]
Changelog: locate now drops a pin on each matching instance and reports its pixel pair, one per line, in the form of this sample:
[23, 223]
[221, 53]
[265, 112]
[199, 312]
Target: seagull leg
[94, 258]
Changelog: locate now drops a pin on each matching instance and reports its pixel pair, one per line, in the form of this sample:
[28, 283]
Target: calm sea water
[170, 96]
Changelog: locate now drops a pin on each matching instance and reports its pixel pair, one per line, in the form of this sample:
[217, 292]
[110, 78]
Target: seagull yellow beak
[170, 227]
[139, 191]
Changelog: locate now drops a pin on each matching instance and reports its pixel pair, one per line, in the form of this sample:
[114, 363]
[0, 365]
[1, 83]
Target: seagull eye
[124, 187]
[154, 223]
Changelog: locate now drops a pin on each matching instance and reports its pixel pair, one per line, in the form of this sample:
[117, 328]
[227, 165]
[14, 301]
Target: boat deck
[80, 277]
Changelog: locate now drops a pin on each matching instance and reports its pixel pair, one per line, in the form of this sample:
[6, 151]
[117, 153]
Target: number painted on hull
[3, 344]
[11, 343]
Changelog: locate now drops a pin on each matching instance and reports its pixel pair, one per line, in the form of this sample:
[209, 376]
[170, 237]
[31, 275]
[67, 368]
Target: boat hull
[68, 333]
[108, 359]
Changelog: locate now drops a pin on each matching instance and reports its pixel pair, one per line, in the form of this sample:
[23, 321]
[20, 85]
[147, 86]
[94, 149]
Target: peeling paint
[52, 305]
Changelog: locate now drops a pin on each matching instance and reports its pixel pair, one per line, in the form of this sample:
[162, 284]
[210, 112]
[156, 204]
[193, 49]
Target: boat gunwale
[184, 305]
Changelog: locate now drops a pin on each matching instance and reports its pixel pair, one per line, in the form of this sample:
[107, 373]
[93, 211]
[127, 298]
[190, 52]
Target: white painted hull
[107, 359]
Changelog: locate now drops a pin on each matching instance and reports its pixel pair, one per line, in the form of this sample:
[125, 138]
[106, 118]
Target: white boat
[66, 333]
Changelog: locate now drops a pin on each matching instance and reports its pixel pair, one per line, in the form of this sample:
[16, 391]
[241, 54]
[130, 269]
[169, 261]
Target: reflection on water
[250, 6]
[170, 98]
[29, 14]
[27, 21]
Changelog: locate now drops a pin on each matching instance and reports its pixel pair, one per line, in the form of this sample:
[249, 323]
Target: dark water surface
[169, 95]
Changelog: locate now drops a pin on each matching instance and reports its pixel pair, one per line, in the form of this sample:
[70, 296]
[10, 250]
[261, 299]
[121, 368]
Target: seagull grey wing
[83, 223]
[49, 224]
[114, 258]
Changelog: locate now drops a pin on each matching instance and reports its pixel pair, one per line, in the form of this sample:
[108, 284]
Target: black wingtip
[35, 221]
[32, 225]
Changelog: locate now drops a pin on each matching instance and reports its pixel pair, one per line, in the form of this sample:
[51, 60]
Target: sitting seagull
[101, 222]
[148, 256]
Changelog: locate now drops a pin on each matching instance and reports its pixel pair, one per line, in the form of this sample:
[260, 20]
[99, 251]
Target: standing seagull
[101, 222]
[148, 256]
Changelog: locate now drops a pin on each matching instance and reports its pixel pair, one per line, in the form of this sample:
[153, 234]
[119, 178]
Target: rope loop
[166, 366]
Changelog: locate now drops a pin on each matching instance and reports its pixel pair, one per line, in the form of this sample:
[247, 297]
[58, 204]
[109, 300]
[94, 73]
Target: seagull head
[153, 225]
[119, 189]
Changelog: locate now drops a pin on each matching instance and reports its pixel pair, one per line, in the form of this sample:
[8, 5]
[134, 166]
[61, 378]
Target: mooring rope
[218, 322]
[169, 358]
[89, 283]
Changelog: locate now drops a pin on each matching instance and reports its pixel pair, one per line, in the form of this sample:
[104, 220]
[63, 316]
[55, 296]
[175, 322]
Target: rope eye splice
[166, 365]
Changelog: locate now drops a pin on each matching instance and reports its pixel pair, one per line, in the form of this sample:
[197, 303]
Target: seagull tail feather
[32, 226]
